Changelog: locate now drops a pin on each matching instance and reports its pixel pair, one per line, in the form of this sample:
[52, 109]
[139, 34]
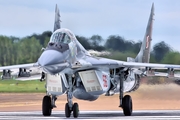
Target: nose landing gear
[75, 110]
[69, 106]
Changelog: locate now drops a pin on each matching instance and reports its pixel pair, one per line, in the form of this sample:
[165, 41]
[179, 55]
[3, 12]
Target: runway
[96, 115]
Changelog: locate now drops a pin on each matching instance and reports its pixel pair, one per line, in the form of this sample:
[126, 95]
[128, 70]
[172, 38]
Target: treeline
[15, 50]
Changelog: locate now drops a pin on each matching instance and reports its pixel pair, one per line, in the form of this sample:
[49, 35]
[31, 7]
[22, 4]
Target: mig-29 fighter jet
[69, 69]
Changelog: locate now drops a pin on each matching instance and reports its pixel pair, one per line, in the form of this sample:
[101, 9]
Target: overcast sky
[127, 18]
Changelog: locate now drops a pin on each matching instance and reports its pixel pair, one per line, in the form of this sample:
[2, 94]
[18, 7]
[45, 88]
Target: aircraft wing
[139, 68]
[151, 65]
[21, 72]
[95, 62]
[34, 77]
[105, 62]
[17, 66]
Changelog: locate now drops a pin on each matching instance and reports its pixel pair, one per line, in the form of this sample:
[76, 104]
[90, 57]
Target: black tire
[127, 105]
[75, 110]
[46, 106]
[67, 110]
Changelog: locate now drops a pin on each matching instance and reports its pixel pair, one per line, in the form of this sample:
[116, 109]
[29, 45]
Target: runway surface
[98, 115]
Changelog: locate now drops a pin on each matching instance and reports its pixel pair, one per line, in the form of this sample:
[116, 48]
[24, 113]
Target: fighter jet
[69, 69]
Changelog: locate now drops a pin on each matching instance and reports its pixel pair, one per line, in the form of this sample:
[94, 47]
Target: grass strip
[15, 86]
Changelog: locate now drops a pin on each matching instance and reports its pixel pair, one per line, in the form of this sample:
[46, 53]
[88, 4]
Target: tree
[30, 50]
[160, 50]
[136, 47]
[120, 55]
[116, 43]
[172, 58]
[84, 41]
[42, 37]
[96, 43]
[6, 50]
[14, 50]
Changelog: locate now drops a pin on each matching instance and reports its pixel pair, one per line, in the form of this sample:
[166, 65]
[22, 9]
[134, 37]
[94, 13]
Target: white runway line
[96, 115]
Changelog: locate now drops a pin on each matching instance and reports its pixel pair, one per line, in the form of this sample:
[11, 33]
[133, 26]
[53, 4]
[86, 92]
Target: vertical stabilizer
[57, 21]
[144, 53]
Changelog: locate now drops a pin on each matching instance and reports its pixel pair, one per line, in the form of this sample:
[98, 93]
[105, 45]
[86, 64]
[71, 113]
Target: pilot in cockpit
[66, 39]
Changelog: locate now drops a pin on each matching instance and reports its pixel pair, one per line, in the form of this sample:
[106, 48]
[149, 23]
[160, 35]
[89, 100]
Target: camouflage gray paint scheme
[66, 57]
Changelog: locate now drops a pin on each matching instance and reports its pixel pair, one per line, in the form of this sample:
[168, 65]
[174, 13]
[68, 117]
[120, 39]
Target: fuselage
[64, 54]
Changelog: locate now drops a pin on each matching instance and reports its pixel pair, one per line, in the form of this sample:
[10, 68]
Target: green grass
[15, 86]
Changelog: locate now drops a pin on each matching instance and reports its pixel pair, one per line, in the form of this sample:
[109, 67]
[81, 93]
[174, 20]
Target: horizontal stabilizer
[169, 75]
[34, 77]
[130, 59]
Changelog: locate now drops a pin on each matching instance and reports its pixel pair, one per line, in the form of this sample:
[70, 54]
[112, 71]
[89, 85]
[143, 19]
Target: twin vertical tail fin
[144, 53]
[57, 21]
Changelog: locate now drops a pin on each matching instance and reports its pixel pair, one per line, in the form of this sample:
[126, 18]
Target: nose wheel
[75, 110]
[67, 110]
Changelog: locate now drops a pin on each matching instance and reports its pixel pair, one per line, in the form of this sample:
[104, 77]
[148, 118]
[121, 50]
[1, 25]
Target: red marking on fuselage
[90, 81]
[53, 81]
[105, 81]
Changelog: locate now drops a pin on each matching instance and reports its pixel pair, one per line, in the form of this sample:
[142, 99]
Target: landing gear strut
[126, 101]
[69, 106]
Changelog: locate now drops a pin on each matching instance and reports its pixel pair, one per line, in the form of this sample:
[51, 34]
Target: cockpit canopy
[61, 36]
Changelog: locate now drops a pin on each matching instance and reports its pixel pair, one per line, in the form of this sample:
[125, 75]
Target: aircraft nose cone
[50, 57]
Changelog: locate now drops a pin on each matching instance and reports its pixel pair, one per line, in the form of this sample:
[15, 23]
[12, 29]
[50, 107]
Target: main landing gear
[127, 105]
[48, 104]
[126, 101]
